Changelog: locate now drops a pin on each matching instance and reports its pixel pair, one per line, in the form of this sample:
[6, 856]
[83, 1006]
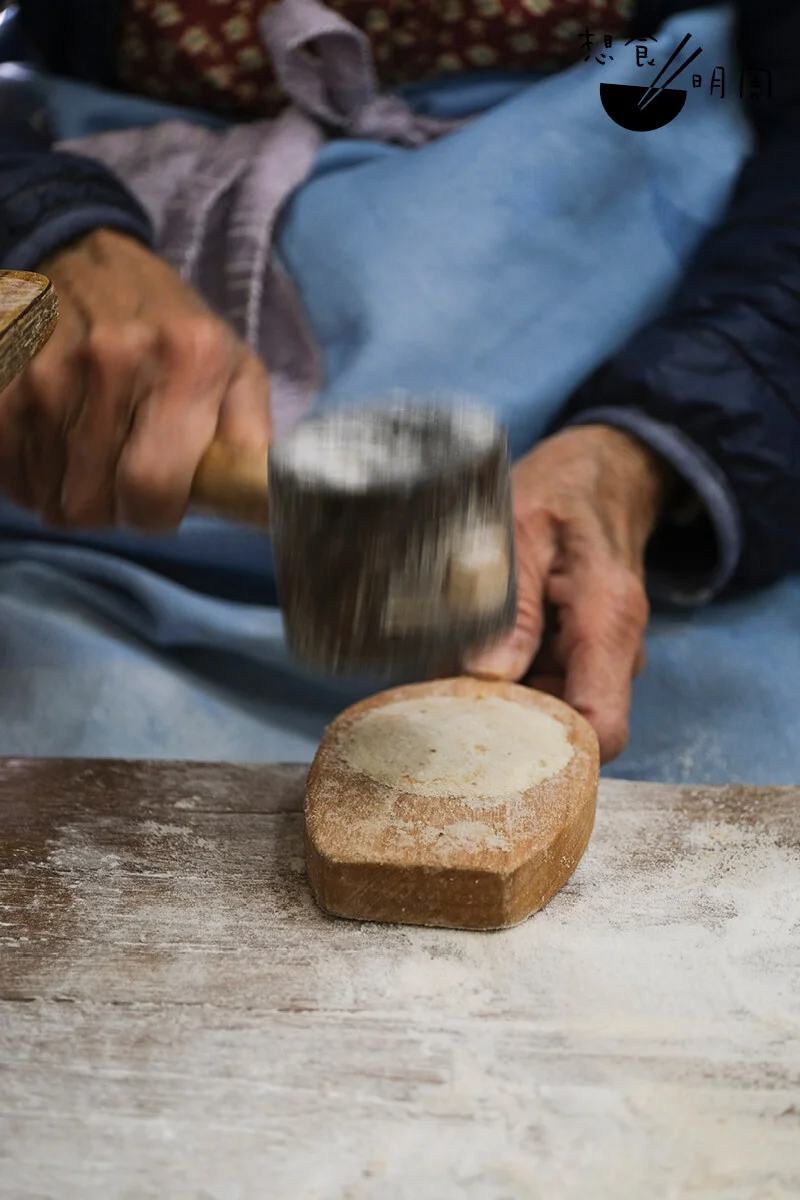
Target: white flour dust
[371, 446]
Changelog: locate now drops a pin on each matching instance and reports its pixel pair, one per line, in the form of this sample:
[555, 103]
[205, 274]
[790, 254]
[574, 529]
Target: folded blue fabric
[513, 257]
[99, 656]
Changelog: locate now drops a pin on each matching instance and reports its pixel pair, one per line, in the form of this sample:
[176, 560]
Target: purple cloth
[214, 197]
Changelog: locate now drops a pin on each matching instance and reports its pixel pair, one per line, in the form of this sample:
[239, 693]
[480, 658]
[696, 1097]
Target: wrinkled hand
[109, 422]
[585, 504]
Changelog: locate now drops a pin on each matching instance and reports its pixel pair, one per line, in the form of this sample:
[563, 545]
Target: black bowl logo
[623, 103]
[643, 109]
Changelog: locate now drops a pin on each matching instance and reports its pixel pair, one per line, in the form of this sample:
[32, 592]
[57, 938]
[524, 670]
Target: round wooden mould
[483, 844]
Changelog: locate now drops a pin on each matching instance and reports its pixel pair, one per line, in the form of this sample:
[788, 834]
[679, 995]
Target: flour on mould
[481, 750]
[469, 835]
[318, 453]
[372, 446]
[462, 835]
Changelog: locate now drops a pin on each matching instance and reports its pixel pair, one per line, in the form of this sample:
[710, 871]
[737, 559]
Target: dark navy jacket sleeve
[49, 199]
[714, 383]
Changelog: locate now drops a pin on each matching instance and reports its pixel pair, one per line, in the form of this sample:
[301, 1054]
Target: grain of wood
[28, 316]
[177, 1019]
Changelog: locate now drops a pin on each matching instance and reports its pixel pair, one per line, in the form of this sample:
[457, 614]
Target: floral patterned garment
[208, 54]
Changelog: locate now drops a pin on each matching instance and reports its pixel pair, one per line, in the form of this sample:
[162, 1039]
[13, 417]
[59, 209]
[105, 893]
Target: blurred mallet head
[392, 535]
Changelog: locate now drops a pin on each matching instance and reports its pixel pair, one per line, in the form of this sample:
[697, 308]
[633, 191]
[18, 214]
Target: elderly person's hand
[585, 504]
[109, 422]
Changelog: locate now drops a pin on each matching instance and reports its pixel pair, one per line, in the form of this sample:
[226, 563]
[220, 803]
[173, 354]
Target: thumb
[511, 658]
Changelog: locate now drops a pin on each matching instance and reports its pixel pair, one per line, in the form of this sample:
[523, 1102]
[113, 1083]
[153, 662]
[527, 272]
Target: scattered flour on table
[457, 746]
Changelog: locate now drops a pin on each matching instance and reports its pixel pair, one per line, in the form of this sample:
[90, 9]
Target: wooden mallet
[391, 529]
[391, 524]
[28, 316]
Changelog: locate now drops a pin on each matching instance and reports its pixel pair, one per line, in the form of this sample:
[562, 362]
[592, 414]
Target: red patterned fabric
[207, 53]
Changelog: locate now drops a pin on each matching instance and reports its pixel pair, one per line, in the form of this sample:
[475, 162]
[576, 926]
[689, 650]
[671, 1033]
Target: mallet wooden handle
[28, 315]
[232, 484]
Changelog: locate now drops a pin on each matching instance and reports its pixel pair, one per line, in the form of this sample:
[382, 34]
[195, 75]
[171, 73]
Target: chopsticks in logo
[656, 87]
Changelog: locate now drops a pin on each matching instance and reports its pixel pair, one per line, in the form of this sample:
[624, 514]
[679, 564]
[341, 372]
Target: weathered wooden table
[178, 1020]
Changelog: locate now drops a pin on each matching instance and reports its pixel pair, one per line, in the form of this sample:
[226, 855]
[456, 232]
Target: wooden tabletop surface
[178, 1020]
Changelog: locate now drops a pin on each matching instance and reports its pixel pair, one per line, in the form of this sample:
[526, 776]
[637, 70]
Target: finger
[603, 619]
[174, 424]
[550, 682]
[546, 660]
[14, 481]
[511, 658]
[53, 388]
[34, 413]
[244, 419]
[641, 660]
[120, 362]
